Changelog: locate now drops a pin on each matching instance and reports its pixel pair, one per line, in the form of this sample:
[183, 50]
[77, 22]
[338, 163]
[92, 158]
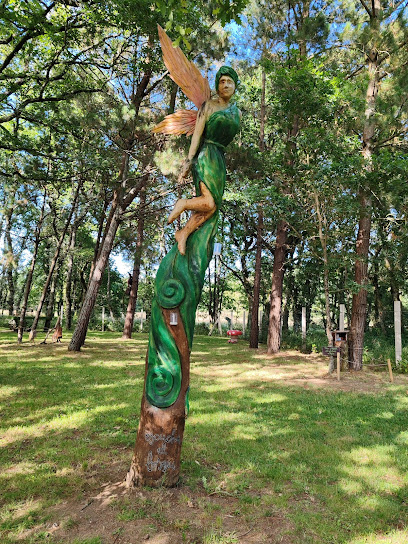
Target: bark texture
[254, 334]
[70, 268]
[130, 312]
[79, 335]
[10, 261]
[51, 299]
[359, 304]
[53, 264]
[29, 279]
[156, 459]
[274, 328]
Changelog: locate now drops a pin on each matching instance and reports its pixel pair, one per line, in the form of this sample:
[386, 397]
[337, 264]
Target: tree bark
[254, 334]
[274, 328]
[359, 304]
[10, 261]
[54, 260]
[130, 312]
[98, 237]
[323, 241]
[78, 337]
[70, 268]
[51, 298]
[10, 279]
[156, 459]
[173, 96]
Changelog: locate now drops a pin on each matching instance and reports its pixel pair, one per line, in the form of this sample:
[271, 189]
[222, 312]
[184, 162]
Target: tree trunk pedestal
[156, 459]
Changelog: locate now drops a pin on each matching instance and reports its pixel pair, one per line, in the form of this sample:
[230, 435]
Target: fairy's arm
[195, 140]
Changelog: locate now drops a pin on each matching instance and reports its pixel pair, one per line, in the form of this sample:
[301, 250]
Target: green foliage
[402, 366]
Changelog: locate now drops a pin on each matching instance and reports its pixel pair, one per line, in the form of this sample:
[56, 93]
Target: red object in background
[233, 336]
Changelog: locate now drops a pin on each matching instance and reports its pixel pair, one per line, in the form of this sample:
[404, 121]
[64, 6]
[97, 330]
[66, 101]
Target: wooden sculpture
[180, 278]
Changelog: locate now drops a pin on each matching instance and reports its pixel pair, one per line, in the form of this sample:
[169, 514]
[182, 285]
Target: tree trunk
[78, 337]
[254, 332]
[359, 304]
[52, 266]
[173, 96]
[130, 312]
[98, 237]
[51, 299]
[10, 261]
[70, 268]
[30, 274]
[120, 203]
[274, 329]
[323, 241]
[156, 459]
[254, 335]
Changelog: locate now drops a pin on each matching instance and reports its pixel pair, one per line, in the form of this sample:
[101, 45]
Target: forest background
[315, 208]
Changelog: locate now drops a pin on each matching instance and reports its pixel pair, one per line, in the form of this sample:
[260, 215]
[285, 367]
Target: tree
[383, 35]
[130, 312]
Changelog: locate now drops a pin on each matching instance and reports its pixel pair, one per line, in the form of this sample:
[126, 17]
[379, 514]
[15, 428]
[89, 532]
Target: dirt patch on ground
[164, 516]
[310, 371]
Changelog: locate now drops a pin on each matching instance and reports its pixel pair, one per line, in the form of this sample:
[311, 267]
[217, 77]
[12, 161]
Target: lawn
[273, 450]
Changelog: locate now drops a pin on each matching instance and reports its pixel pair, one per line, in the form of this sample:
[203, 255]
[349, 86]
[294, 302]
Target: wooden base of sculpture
[156, 459]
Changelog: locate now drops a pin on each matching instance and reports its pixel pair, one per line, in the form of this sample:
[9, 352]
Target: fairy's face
[226, 87]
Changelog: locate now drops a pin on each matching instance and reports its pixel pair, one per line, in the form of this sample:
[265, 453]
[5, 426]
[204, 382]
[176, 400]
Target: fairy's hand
[185, 169]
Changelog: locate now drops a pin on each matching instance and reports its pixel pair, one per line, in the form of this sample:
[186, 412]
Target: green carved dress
[180, 278]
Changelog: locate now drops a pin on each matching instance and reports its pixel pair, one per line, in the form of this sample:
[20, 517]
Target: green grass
[332, 464]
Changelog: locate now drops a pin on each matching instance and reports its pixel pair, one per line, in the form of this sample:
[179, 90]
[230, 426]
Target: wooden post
[141, 321]
[260, 321]
[303, 323]
[243, 324]
[219, 325]
[232, 319]
[338, 365]
[390, 370]
[341, 319]
[103, 318]
[397, 331]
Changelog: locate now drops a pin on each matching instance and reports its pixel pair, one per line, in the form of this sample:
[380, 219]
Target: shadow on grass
[336, 463]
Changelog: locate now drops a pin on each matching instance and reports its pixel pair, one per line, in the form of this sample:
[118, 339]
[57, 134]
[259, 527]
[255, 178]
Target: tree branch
[154, 85]
[366, 8]
[39, 99]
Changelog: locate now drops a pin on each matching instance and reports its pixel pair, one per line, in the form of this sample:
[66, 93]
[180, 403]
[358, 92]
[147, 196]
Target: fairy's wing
[184, 72]
[181, 122]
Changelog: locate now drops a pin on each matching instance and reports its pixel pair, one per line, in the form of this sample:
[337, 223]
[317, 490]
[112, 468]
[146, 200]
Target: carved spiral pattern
[171, 294]
[159, 387]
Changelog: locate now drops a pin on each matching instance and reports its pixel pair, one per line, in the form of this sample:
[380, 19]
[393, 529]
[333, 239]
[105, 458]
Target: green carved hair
[226, 71]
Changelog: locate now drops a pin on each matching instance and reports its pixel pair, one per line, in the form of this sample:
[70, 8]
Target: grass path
[273, 451]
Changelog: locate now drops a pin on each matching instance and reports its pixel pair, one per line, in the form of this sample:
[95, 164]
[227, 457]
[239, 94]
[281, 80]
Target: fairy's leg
[196, 220]
[203, 208]
[203, 203]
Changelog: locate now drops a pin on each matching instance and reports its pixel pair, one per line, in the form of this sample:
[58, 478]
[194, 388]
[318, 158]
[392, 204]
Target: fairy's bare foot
[177, 210]
[181, 239]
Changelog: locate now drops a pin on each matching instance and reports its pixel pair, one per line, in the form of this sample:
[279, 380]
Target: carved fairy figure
[213, 127]
[180, 277]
